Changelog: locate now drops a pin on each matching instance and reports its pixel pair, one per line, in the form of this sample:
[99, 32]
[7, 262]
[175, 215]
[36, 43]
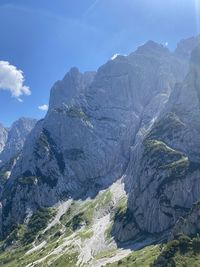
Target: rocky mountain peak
[136, 121]
[67, 90]
[195, 56]
[16, 137]
[185, 47]
[152, 47]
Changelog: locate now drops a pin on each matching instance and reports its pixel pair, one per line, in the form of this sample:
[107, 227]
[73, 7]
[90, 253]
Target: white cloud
[12, 80]
[43, 107]
[114, 56]
[166, 43]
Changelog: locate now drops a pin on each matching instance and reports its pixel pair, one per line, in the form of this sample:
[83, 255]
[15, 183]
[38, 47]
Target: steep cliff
[134, 122]
[83, 144]
[3, 137]
[15, 138]
[164, 169]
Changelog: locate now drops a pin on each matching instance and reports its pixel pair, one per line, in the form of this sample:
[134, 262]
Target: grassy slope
[141, 258]
[181, 252]
[77, 221]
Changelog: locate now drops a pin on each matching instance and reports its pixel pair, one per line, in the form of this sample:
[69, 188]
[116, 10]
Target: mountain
[11, 144]
[185, 46]
[165, 166]
[3, 137]
[15, 138]
[114, 163]
[83, 143]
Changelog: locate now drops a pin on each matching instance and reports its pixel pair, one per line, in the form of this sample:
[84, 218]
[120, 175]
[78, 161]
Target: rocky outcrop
[164, 168]
[186, 46]
[189, 224]
[14, 138]
[94, 121]
[3, 137]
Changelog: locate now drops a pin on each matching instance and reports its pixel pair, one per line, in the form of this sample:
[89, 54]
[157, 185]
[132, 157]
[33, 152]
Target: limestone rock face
[164, 169]
[186, 46]
[3, 137]
[189, 225]
[11, 143]
[94, 121]
[15, 138]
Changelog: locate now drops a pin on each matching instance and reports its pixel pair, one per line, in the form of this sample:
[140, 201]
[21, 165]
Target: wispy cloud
[12, 80]
[43, 107]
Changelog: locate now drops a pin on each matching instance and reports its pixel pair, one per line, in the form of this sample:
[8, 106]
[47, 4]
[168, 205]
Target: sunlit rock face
[3, 137]
[94, 123]
[11, 144]
[185, 47]
[14, 138]
[164, 169]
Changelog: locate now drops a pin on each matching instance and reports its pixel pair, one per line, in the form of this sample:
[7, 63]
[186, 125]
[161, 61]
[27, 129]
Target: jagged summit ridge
[185, 46]
[152, 47]
[14, 138]
[137, 117]
[164, 168]
[94, 119]
[70, 88]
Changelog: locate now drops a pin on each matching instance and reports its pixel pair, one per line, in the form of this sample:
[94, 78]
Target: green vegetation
[28, 180]
[78, 215]
[140, 258]
[20, 240]
[162, 157]
[168, 127]
[75, 112]
[85, 234]
[106, 254]
[16, 235]
[108, 231]
[18, 257]
[121, 209]
[183, 163]
[44, 142]
[66, 260]
[181, 252]
[161, 151]
[38, 222]
[77, 221]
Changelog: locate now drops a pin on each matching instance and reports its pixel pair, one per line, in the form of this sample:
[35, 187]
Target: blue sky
[44, 38]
